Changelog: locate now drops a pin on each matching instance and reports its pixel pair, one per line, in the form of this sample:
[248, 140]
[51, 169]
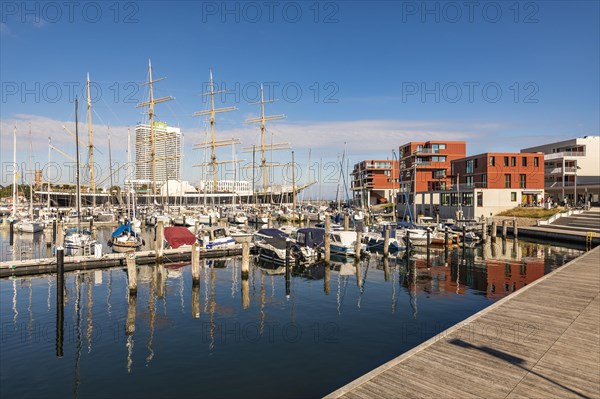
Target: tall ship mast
[264, 148]
[150, 104]
[90, 144]
[213, 143]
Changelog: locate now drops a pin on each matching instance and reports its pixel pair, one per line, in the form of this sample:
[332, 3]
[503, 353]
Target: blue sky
[500, 75]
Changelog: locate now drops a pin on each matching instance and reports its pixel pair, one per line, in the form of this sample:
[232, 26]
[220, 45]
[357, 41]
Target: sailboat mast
[91, 145]
[77, 170]
[110, 169]
[293, 189]
[263, 158]
[48, 177]
[15, 173]
[128, 175]
[30, 170]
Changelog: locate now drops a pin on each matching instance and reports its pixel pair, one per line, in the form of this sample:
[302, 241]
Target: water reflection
[379, 291]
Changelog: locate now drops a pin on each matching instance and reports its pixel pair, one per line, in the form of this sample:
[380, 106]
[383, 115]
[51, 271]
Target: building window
[507, 181]
[513, 161]
[445, 199]
[469, 166]
[475, 163]
[505, 161]
[522, 180]
[438, 159]
[479, 198]
[442, 146]
[513, 196]
[492, 160]
[524, 161]
[419, 148]
[469, 181]
[536, 162]
[484, 180]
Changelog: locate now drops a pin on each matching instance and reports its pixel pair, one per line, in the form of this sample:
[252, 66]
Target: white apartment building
[572, 169]
[167, 153]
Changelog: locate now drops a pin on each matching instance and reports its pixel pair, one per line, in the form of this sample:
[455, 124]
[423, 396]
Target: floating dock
[542, 341]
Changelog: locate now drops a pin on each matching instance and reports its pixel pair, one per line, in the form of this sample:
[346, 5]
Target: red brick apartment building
[375, 181]
[432, 161]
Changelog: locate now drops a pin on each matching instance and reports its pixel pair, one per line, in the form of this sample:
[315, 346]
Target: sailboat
[78, 241]
[30, 225]
[125, 239]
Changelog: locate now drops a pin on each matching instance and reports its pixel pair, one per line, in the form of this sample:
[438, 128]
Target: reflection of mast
[412, 289]
[262, 303]
[29, 310]
[213, 144]
[393, 291]
[78, 329]
[90, 304]
[213, 306]
[152, 310]
[263, 147]
[109, 293]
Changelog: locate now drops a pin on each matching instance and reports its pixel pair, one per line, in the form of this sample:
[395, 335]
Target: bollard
[196, 299]
[60, 302]
[358, 244]
[484, 228]
[346, 222]
[515, 228]
[494, 229]
[54, 231]
[504, 229]
[131, 311]
[246, 259]
[196, 263]
[386, 242]
[327, 239]
[131, 271]
[160, 238]
[12, 232]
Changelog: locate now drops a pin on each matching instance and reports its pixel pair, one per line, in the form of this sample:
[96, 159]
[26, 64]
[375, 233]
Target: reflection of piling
[60, 291]
[428, 245]
[346, 222]
[503, 247]
[494, 229]
[386, 242]
[504, 229]
[12, 232]
[196, 263]
[246, 259]
[131, 272]
[245, 292]
[515, 247]
[196, 299]
[326, 279]
[386, 268]
[515, 228]
[358, 243]
[160, 237]
[287, 269]
[493, 248]
[327, 239]
[161, 280]
[131, 311]
[464, 242]
[446, 237]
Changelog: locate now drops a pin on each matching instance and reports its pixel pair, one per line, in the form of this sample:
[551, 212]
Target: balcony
[564, 154]
[559, 171]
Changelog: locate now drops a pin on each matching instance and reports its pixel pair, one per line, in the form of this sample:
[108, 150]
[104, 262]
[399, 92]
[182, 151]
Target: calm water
[233, 338]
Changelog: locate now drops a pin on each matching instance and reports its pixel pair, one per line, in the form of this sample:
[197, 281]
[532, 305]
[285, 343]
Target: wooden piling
[504, 229]
[346, 222]
[160, 238]
[60, 234]
[131, 272]
[494, 229]
[358, 244]
[196, 263]
[12, 233]
[327, 239]
[246, 259]
[196, 227]
[484, 228]
[515, 228]
[386, 242]
[54, 231]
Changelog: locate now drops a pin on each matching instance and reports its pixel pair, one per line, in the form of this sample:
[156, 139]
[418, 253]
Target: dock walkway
[543, 341]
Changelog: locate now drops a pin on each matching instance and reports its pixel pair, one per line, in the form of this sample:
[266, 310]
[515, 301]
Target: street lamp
[575, 186]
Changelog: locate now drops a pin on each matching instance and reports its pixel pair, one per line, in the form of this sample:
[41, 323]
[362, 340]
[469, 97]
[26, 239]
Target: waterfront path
[543, 341]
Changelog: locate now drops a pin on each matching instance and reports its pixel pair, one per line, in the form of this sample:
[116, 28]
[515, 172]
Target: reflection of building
[374, 181]
[167, 153]
[506, 277]
[572, 165]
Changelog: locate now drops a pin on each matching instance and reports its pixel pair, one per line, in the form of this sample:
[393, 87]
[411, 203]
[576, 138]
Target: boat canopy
[126, 227]
[311, 237]
[271, 233]
[178, 236]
